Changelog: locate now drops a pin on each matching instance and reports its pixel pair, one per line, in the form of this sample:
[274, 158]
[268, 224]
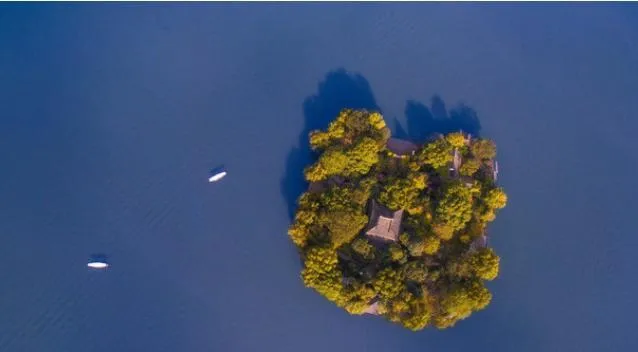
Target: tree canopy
[434, 273]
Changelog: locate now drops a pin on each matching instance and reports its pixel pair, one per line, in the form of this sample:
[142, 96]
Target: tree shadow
[423, 121]
[339, 89]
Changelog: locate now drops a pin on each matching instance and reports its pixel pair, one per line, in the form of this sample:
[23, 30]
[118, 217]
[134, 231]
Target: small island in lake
[391, 228]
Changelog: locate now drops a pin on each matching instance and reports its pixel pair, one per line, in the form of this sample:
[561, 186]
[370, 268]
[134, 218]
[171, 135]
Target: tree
[396, 253]
[496, 198]
[482, 264]
[462, 299]
[443, 231]
[388, 283]
[305, 218]
[485, 264]
[299, 234]
[437, 153]
[362, 157]
[400, 194]
[319, 140]
[456, 139]
[363, 190]
[455, 208]
[418, 180]
[483, 149]
[362, 247]
[419, 316]
[343, 225]
[322, 274]
[469, 166]
[332, 162]
[376, 121]
[431, 245]
[358, 296]
[415, 271]
[416, 247]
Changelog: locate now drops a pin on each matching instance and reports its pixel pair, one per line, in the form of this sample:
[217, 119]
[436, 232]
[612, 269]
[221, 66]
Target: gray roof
[492, 168]
[401, 146]
[384, 224]
[456, 159]
[372, 309]
[479, 242]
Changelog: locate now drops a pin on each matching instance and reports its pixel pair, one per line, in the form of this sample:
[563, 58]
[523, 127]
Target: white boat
[216, 177]
[97, 265]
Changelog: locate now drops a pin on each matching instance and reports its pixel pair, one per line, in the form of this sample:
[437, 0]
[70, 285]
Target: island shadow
[338, 90]
[423, 121]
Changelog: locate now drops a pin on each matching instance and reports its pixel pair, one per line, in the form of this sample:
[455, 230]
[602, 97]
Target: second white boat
[216, 177]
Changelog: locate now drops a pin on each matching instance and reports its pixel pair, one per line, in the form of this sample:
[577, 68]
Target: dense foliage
[434, 274]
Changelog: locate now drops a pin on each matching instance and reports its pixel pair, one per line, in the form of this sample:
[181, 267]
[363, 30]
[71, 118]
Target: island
[391, 228]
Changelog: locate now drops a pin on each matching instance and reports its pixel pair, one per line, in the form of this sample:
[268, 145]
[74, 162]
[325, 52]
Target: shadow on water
[339, 89]
[422, 120]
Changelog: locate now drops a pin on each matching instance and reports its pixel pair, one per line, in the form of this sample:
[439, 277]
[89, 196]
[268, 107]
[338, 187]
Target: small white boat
[216, 177]
[97, 265]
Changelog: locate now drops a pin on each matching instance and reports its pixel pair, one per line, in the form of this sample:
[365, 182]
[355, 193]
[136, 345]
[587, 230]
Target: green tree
[319, 140]
[496, 198]
[332, 162]
[358, 297]
[388, 283]
[399, 194]
[299, 234]
[431, 245]
[396, 253]
[377, 121]
[443, 231]
[460, 301]
[416, 247]
[485, 264]
[322, 274]
[343, 225]
[419, 316]
[362, 157]
[363, 247]
[418, 180]
[482, 264]
[335, 198]
[455, 208]
[469, 166]
[415, 271]
[456, 139]
[483, 149]
[363, 191]
[437, 153]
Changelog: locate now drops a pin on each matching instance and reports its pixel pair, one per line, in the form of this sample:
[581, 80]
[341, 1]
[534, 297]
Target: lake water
[111, 116]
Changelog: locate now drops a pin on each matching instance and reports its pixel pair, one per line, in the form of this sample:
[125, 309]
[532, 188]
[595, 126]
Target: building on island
[479, 242]
[373, 308]
[455, 164]
[492, 169]
[401, 147]
[384, 224]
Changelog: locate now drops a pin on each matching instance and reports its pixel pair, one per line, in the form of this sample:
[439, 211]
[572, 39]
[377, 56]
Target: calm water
[112, 115]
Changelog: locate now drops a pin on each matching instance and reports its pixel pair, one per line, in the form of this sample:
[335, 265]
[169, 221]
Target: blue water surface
[112, 115]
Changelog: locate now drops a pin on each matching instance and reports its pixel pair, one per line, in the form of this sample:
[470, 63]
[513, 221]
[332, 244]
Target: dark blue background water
[111, 116]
